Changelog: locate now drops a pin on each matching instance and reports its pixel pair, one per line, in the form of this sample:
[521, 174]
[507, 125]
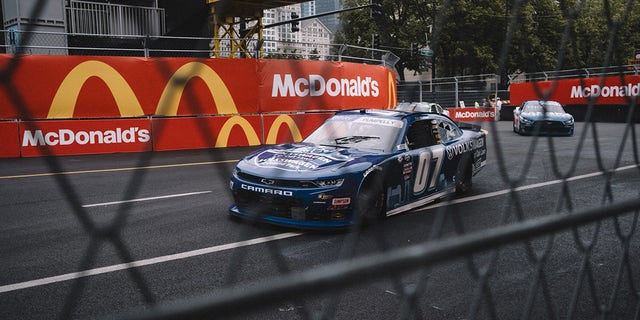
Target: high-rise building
[313, 38]
[308, 8]
[331, 21]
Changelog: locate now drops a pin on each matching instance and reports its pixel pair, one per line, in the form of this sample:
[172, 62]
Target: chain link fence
[521, 230]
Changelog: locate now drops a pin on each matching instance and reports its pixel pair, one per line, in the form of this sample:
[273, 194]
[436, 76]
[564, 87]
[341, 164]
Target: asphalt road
[68, 224]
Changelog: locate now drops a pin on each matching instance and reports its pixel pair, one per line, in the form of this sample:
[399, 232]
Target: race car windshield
[358, 132]
[546, 108]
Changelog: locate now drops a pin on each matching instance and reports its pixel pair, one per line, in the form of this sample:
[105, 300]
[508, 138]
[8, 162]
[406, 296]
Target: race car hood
[547, 116]
[312, 161]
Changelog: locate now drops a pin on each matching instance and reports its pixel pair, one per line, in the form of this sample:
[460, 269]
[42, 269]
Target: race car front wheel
[370, 205]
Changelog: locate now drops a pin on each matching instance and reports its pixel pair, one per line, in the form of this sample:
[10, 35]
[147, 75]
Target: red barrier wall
[233, 100]
[287, 128]
[9, 141]
[608, 90]
[230, 131]
[321, 85]
[52, 87]
[205, 132]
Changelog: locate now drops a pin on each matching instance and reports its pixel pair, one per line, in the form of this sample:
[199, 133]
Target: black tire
[370, 206]
[464, 176]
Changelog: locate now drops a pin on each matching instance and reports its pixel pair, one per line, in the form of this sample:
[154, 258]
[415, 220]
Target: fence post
[259, 48]
[13, 41]
[120, 20]
[456, 92]
[341, 51]
[145, 44]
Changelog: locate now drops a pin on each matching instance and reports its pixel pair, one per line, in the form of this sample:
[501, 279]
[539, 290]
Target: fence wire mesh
[526, 232]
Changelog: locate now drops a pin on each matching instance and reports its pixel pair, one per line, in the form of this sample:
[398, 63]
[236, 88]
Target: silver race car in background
[542, 118]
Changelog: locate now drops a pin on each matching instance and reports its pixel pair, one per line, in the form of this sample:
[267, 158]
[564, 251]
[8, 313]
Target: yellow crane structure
[239, 22]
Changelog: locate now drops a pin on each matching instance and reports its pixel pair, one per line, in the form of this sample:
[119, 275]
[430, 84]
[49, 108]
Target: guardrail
[86, 17]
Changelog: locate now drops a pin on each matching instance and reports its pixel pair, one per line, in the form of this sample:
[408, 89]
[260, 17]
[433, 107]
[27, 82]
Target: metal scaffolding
[238, 24]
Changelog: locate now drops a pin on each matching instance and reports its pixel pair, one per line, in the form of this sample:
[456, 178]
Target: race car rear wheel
[464, 176]
[370, 206]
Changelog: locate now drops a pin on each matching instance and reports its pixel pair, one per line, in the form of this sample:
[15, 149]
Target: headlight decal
[525, 120]
[328, 182]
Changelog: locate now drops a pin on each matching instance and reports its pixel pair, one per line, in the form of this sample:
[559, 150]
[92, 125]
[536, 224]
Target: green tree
[537, 36]
[605, 33]
[500, 36]
[359, 27]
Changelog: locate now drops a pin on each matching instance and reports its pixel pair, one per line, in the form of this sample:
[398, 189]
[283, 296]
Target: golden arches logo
[272, 136]
[65, 99]
[64, 102]
[225, 131]
[172, 93]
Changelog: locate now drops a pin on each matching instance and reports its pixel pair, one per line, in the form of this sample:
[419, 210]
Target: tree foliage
[500, 36]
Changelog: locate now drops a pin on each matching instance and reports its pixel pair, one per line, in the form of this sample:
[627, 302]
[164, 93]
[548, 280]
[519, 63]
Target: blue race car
[358, 166]
[542, 118]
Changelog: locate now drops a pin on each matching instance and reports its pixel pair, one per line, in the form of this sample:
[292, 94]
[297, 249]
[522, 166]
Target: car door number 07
[429, 167]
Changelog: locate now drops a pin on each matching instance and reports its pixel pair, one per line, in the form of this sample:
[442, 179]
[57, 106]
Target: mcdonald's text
[93, 136]
[316, 85]
[473, 114]
[65, 137]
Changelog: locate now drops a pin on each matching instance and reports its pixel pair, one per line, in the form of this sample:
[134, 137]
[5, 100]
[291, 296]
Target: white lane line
[145, 262]
[145, 199]
[522, 188]
[116, 169]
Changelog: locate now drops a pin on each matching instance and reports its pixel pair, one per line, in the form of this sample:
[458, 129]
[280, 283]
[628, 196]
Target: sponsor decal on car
[302, 159]
[462, 147]
[276, 192]
[340, 201]
[380, 121]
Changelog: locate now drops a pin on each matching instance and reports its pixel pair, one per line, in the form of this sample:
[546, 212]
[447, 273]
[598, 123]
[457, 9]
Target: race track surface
[70, 224]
